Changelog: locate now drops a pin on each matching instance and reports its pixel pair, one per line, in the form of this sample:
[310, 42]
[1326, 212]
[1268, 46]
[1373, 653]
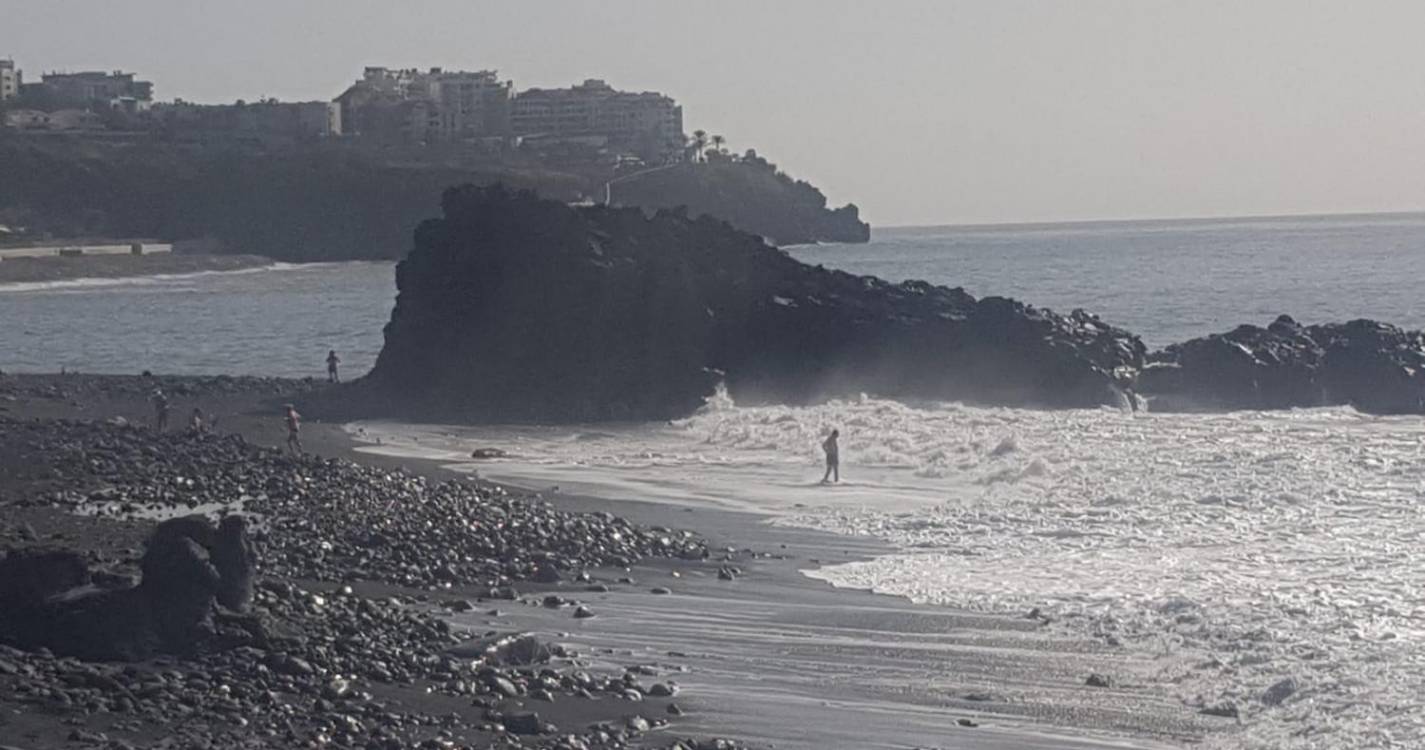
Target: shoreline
[1021, 682]
[771, 655]
[41, 270]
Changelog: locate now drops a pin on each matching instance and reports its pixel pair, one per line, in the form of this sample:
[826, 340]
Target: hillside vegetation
[329, 202]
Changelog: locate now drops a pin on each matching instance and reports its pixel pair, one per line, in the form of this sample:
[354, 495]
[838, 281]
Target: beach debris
[1099, 680]
[1279, 691]
[663, 689]
[1225, 709]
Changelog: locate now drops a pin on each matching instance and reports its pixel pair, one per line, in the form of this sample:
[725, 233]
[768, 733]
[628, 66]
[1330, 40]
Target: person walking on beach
[160, 410]
[332, 362]
[833, 458]
[294, 429]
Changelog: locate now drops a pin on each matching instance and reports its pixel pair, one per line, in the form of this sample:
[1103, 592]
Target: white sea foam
[1248, 547]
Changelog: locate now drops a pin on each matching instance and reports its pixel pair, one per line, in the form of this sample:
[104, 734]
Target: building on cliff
[433, 106]
[413, 106]
[90, 90]
[10, 80]
[648, 124]
[265, 121]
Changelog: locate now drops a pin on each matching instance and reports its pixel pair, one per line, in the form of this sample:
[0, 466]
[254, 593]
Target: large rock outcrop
[1372, 366]
[48, 600]
[519, 309]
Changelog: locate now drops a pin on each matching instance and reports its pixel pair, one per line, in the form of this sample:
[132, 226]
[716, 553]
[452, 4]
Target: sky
[919, 112]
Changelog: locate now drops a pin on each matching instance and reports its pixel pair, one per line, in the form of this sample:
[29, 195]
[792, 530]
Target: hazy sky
[920, 112]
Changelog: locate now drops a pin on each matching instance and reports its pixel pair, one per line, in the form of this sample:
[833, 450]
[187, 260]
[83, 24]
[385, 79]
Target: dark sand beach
[753, 650]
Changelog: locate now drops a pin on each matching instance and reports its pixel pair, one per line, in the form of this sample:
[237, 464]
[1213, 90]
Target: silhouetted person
[833, 458]
[294, 430]
[160, 410]
[332, 362]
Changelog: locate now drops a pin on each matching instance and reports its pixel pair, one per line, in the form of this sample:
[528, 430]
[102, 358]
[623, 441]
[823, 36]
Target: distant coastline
[32, 270]
[1233, 218]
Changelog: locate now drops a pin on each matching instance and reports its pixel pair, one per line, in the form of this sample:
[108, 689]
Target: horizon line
[1150, 220]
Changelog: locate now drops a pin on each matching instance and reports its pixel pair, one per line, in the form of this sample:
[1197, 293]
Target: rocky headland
[515, 308]
[752, 195]
[1375, 367]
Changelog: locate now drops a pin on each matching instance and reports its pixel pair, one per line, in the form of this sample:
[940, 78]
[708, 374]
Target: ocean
[1266, 553]
[1165, 280]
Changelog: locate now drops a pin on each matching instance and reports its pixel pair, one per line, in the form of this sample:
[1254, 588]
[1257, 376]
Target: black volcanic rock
[170, 611]
[521, 309]
[1372, 366]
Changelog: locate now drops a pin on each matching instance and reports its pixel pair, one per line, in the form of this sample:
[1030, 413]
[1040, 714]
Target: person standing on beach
[833, 458]
[294, 429]
[160, 410]
[195, 422]
[332, 362]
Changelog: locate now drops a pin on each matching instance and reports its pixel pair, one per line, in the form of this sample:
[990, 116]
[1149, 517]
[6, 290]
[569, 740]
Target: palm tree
[717, 142]
[700, 142]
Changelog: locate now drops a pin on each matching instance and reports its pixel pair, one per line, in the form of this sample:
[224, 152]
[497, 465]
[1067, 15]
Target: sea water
[1280, 552]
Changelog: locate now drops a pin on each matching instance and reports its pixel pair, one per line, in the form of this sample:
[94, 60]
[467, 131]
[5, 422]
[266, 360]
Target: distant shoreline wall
[66, 249]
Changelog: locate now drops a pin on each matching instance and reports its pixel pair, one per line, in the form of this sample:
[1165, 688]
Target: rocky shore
[345, 638]
[1375, 367]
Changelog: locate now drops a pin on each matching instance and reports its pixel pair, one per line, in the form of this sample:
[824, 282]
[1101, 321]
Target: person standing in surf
[833, 458]
[332, 362]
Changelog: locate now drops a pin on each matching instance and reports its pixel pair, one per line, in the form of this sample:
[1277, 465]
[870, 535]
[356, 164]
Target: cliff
[319, 201]
[752, 195]
[513, 308]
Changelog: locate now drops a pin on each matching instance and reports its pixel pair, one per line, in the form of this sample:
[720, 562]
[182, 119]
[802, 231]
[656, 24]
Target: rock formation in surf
[520, 309]
[1373, 366]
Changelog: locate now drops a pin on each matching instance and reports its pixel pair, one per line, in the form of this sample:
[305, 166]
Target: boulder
[514, 308]
[169, 611]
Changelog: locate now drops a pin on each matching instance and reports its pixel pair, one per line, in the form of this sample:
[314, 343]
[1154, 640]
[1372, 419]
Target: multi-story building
[10, 80]
[411, 105]
[89, 89]
[261, 121]
[648, 124]
[434, 105]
